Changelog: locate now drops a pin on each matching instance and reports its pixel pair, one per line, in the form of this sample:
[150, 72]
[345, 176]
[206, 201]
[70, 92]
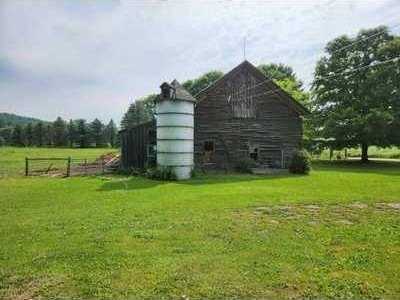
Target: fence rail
[66, 166]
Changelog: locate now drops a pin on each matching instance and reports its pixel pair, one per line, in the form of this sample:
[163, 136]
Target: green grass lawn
[332, 234]
[12, 159]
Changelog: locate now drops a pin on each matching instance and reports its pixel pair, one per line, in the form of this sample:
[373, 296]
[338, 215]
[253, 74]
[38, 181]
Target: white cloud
[87, 59]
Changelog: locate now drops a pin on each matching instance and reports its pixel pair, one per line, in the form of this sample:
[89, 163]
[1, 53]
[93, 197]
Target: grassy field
[332, 234]
[12, 159]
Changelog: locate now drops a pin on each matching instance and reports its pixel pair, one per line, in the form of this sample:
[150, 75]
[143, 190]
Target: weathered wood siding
[134, 146]
[275, 129]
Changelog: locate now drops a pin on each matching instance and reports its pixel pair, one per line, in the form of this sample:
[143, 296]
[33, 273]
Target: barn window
[209, 146]
[254, 152]
[241, 96]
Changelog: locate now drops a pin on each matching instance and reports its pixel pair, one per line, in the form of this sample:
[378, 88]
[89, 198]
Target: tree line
[60, 133]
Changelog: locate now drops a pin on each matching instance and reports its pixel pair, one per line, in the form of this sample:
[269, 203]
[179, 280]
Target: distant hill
[7, 119]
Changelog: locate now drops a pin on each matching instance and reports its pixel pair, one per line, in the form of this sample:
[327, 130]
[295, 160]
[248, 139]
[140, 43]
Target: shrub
[161, 173]
[245, 165]
[193, 173]
[300, 163]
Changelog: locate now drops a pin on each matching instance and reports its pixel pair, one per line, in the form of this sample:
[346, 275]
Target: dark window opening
[209, 146]
[254, 154]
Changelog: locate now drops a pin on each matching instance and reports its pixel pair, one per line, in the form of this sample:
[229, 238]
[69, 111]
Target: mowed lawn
[332, 234]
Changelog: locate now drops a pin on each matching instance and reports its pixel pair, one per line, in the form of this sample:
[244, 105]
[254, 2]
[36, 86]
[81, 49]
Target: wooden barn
[242, 115]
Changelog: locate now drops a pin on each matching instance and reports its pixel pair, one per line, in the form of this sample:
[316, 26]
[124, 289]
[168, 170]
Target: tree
[60, 132]
[140, 111]
[82, 133]
[97, 133]
[278, 72]
[48, 135]
[194, 86]
[286, 79]
[6, 134]
[71, 133]
[29, 138]
[354, 105]
[17, 138]
[38, 134]
[111, 133]
[390, 85]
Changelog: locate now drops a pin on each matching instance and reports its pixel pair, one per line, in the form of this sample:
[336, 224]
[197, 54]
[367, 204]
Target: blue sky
[87, 59]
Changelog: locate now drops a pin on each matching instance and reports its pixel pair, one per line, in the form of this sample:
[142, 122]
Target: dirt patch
[314, 214]
[28, 289]
[395, 206]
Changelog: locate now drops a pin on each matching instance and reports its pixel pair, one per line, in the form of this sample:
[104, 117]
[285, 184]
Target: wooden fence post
[69, 167]
[26, 166]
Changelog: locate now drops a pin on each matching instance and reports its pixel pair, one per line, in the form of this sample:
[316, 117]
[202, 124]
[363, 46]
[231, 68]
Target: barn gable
[255, 80]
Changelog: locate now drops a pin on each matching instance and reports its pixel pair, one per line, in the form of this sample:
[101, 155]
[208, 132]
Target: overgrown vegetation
[300, 163]
[245, 165]
[161, 173]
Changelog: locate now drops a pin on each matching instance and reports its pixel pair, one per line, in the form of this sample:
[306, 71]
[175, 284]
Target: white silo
[175, 129]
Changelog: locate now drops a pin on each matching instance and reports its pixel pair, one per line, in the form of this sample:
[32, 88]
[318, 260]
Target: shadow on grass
[138, 183]
[351, 166]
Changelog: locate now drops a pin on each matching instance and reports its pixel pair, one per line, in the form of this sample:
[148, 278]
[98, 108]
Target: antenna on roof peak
[244, 48]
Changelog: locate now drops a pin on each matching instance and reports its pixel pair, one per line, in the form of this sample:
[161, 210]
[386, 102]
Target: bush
[193, 173]
[161, 173]
[300, 163]
[245, 165]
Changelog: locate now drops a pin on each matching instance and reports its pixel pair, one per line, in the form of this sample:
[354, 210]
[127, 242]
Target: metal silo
[175, 127]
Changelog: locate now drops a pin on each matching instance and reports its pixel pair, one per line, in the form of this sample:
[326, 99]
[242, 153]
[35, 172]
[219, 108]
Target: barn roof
[268, 84]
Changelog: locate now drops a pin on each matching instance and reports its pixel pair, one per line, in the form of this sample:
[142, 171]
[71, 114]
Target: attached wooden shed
[138, 146]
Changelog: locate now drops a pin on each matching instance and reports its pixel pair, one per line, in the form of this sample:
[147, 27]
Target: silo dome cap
[178, 92]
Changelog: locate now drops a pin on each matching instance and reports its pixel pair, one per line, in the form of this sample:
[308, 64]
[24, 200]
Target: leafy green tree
[286, 79]
[390, 86]
[71, 133]
[82, 133]
[39, 134]
[60, 132]
[194, 86]
[353, 105]
[111, 133]
[97, 133]
[139, 112]
[29, 138]
[18, 136]
[278, 72]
